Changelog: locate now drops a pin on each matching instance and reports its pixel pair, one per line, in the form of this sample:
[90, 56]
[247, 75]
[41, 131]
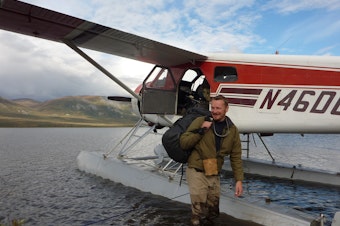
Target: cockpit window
[160, 78]
[193, 91]
[225, 74]
[191, 80]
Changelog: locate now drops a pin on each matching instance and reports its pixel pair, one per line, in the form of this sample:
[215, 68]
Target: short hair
[221, 97]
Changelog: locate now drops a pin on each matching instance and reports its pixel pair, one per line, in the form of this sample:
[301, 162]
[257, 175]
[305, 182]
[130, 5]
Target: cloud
[293, 6]
[229, 23]
[313, 32]
[42, 69]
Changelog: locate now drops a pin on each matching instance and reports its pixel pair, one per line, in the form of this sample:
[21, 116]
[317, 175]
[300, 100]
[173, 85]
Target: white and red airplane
[267, 93]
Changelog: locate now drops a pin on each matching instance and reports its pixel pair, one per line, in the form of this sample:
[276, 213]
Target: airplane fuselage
[271, 93]
[275, 93]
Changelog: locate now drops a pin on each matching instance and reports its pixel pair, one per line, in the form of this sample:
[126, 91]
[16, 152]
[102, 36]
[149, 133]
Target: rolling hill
[71, 111]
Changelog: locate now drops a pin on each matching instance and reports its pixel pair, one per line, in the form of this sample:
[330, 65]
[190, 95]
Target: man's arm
[192, 135]
[236, 158]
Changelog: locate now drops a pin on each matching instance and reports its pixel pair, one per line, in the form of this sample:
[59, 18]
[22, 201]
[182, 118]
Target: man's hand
[238, 188]
[206, 124]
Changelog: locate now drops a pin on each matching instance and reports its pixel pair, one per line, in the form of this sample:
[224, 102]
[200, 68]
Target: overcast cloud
[40, 69]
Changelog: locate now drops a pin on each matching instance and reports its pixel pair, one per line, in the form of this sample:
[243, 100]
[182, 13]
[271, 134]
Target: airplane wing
[35, 21]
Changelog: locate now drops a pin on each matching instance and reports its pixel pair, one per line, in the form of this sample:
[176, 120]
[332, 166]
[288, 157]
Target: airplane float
[267, 94]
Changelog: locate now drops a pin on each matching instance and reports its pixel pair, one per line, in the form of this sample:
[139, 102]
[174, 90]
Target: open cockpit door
[159, 92]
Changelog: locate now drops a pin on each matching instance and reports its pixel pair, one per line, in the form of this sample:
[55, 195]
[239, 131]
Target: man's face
[218, 110]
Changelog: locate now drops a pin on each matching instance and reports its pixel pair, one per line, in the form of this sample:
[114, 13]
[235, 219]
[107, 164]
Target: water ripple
[40, 183]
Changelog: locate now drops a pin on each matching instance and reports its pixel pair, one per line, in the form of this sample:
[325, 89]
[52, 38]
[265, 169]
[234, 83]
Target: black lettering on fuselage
[269, 98]
[336, 110]
[317, 102]
[316, 109]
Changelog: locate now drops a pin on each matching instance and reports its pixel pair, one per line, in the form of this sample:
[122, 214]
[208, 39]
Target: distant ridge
[70, 111]
[27, 102]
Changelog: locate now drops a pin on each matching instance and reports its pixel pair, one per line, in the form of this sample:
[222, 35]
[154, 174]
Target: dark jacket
[204, 147]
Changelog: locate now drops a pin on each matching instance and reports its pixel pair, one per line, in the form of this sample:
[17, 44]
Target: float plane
[267, 94]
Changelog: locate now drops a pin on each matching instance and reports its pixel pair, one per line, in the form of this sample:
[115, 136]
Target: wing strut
[99, 67]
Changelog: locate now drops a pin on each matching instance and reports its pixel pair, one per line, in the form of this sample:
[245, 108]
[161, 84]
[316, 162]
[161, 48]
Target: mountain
[71, 111]
[27, 102]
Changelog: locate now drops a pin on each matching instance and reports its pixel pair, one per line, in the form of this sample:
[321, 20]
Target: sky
[42, 70]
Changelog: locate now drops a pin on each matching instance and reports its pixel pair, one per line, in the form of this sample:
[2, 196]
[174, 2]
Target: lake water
[40, 182]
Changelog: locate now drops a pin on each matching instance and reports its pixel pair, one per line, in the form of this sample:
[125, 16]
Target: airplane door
[159, 92]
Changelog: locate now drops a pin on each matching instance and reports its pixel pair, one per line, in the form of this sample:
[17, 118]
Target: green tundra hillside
[72, 111]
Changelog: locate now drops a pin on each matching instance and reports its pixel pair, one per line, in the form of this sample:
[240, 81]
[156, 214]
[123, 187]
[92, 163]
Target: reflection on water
[319, 151]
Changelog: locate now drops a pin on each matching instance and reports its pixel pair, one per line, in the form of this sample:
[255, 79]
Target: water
[320, 151]
[40, 183]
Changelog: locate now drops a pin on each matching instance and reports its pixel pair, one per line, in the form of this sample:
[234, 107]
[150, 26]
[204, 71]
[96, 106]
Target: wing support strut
[99, 67]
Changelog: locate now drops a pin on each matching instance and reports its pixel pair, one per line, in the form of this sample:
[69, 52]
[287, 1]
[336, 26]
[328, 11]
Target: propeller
[119, 98]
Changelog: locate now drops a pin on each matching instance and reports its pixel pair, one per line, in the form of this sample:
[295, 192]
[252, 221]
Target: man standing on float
[210, 141]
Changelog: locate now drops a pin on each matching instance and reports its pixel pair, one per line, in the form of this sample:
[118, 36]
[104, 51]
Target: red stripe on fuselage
[273, 75]
[241, 101]
[241, 91]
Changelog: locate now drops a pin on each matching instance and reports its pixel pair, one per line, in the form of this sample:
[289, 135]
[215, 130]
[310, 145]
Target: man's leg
[198, 188]
[213, 198]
